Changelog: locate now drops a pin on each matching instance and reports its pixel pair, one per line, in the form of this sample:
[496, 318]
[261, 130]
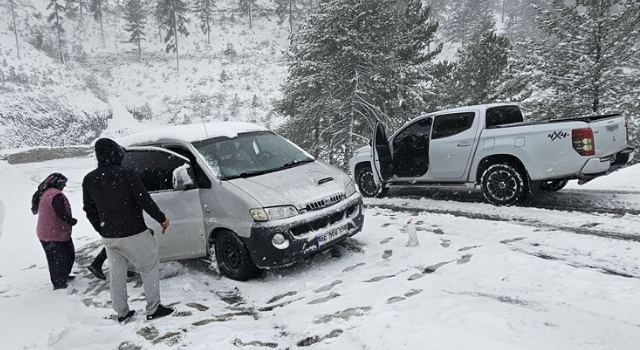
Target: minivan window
[250, 154]
[155, 168]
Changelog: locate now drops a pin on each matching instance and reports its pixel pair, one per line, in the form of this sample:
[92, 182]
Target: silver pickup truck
[491, 146]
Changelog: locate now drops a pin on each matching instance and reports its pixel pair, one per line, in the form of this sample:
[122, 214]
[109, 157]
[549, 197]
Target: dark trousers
[60, 257]
[100, 258]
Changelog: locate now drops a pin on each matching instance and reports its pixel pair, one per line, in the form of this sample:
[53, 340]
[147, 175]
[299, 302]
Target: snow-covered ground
[483, 277]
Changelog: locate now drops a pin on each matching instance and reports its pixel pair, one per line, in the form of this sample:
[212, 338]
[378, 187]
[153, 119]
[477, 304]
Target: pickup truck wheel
[367, 185]
[233, 257]
[502, 184]
[553, 185]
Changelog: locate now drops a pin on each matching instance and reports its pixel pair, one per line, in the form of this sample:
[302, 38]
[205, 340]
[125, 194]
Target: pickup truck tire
[234, 260]
[502, 184]
[366, 183]
[553, 185]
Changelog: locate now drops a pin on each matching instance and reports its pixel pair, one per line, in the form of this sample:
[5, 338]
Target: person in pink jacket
[54, 228]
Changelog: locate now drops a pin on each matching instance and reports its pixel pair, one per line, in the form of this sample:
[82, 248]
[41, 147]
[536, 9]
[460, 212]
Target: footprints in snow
[406, 295]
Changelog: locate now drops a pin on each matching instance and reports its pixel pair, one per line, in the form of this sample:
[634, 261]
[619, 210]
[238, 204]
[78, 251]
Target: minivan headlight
[273, 213]
[350, 189]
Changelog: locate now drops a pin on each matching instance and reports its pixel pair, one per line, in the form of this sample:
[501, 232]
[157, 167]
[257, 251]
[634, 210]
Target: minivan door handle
[464, 144]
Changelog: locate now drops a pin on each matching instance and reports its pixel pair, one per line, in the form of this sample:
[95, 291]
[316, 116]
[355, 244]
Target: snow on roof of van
[189, 133]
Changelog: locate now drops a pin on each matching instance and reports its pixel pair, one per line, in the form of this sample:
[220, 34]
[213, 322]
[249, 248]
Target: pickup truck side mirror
[371, 142]
[182, 179]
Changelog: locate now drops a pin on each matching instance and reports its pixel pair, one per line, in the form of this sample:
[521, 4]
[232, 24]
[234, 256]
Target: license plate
[330, 236]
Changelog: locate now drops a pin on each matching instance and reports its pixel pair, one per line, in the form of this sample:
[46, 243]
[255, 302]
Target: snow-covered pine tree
[97, 7]
[55, 17]
[487, 71]
[82, 8]
[590, 58]
[520, 21]
[353, 63]
[204, 10]
[468, 20]
[157, 15]
[135, 15]
[173, 15]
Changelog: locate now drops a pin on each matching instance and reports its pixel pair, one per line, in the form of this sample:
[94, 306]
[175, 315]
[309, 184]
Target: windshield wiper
[248, 174]
[294, 163]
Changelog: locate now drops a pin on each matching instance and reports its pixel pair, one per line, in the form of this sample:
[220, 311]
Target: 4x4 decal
[557, 135]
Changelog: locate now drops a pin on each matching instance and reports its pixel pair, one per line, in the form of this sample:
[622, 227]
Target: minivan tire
[366, 183]
[502, 184]
[234, 260]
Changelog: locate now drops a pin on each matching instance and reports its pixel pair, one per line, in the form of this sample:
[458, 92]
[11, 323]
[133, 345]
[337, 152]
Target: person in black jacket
[114, 198]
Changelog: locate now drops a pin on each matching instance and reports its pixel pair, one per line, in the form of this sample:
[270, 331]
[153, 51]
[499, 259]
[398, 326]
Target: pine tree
[82, 7]
[487, 71]
[204, 10]
[157, 15]
[135, 15]
[55, 17]
[520, 21]
[589, 59]
[96, 7]
[173, 14]
[469, 19]
[353, 63]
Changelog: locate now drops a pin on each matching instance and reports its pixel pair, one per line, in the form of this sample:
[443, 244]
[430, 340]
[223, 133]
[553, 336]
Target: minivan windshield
[250, 154]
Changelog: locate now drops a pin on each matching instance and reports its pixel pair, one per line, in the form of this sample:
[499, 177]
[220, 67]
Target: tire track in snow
[582, 230]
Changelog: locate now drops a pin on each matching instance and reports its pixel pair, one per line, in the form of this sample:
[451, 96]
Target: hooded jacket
[114, 197]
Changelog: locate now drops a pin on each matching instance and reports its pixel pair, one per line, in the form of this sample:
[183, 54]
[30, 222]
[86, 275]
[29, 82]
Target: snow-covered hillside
[45, 103]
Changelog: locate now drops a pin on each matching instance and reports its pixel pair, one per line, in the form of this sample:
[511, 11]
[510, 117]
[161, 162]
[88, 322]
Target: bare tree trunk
[249, 15]
[59, 37]
[104, 43]
[503, 1]
[208, 30]
[80, 3]
[175, 31]
[139, 51]
[15, 29]
[160, 32]
[290, 17]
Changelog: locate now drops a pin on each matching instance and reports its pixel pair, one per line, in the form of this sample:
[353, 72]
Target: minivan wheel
[366, 183]
[233, 257]
[502, 184]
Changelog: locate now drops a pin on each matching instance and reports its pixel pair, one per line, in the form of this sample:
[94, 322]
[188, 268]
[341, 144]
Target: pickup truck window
[503, 115]
[451, 124]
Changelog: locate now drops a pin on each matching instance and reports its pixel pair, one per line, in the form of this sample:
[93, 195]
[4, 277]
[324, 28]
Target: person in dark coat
[114, 199]
[54, 228]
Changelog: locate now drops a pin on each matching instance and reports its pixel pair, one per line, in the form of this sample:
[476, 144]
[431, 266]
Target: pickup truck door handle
[464, 144]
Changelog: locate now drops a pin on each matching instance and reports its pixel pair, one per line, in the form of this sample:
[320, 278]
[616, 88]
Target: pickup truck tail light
[582, 140]
[626, 127]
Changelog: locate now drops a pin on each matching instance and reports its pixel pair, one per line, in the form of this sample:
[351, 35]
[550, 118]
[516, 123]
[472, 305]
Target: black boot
[97, 271]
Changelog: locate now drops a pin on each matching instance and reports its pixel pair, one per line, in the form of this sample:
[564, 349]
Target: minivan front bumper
[306, 233]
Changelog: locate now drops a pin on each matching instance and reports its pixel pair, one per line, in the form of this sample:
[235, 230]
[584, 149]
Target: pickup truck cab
[241, 194]
[491, 146]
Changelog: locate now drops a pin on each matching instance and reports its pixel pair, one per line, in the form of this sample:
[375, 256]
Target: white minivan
[243, 193]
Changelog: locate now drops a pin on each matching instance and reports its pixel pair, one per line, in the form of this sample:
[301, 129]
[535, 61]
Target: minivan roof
[189, 133]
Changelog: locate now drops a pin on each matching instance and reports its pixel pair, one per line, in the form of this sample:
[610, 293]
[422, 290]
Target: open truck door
[381, 162]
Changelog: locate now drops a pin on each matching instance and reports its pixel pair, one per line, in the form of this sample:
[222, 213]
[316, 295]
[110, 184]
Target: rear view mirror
[182, 179]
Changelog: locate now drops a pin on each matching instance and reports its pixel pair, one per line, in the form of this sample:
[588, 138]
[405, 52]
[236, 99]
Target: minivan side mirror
[182, 180]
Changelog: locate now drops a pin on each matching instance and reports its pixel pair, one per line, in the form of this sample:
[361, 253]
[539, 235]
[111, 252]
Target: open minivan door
[381, 162]
[168, 178]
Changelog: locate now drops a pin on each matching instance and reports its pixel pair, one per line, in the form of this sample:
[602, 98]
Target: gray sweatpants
[141, 251]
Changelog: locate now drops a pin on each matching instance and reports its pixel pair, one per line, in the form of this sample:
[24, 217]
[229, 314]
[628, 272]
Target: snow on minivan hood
[295, 186]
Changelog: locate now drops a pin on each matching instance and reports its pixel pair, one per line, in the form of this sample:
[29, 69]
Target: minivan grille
[325, 202]
[325, 221]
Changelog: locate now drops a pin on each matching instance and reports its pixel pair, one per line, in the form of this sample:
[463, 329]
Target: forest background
[320, 72]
